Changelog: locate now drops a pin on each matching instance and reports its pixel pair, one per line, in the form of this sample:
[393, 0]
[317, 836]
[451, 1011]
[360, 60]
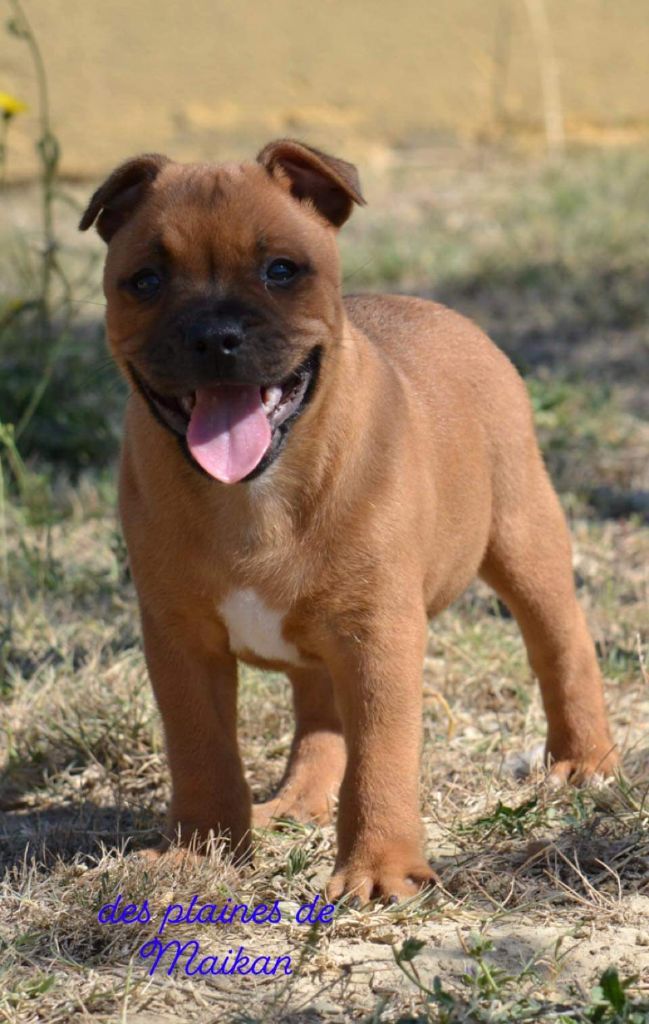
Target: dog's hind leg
[316, 762]
[528, 563]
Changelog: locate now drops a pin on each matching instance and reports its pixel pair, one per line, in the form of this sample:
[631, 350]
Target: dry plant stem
[4, 562]
[50, 268]
[549, 74]
[4, 131]
[6, 607]
[501, 62]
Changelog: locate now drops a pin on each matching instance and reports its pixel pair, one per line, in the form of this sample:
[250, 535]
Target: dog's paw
[163, 856]
[589, 767]
[233, 839]
[306, 809]
[389, 877]
[592, 769]
[158, 861]
[582, 772]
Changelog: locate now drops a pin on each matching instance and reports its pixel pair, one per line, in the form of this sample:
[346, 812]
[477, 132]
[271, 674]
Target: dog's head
[223, 289]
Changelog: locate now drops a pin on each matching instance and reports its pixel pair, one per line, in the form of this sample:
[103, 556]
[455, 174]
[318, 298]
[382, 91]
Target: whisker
[357, 270]
[85, 302]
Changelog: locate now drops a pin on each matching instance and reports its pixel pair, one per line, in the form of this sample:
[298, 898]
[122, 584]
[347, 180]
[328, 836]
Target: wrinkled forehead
[234, 209]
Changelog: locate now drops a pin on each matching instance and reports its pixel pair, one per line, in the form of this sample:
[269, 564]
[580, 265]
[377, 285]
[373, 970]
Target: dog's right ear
[114, 201]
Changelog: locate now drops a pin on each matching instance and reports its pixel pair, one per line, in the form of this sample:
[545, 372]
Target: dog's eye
[281, 271]
[145, 284]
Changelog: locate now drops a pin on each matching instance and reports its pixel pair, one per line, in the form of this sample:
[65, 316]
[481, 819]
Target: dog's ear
[331, 184]
[114, 201]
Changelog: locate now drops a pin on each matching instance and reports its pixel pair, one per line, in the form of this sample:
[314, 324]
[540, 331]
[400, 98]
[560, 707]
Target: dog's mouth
[234, 431]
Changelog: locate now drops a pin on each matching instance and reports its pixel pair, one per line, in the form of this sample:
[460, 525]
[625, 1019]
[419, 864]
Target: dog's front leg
[194, 679]
[378, 686]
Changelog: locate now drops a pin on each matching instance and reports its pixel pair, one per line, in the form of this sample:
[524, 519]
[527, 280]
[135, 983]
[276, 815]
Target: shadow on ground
[591, 326]
[80, 831]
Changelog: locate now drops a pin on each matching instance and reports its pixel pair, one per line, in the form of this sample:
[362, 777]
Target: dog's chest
[256, 628]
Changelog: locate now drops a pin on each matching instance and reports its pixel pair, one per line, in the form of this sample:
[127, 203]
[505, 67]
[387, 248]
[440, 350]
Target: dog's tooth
[187, 403]
[272, 397]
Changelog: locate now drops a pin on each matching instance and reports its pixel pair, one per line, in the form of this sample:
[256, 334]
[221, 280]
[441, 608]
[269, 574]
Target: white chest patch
[253, 626]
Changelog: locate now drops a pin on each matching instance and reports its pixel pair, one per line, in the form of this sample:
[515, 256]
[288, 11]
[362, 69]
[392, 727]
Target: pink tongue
[228, 432]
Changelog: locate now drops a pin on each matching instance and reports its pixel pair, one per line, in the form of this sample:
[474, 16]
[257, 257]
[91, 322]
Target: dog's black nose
[220, 334]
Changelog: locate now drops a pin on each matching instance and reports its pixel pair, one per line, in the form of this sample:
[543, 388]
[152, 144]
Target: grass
[543, 908]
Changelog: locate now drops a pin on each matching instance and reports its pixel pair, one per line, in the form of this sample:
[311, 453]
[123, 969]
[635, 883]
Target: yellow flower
[10, 106]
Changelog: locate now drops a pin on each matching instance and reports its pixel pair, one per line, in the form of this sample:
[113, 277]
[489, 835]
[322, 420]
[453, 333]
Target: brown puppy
[305, 480]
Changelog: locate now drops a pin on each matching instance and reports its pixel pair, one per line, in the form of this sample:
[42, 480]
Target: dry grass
[557, 881]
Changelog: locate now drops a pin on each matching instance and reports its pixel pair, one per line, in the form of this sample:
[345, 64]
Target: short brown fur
[413, 469]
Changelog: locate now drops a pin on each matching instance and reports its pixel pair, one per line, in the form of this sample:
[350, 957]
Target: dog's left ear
[331, 184]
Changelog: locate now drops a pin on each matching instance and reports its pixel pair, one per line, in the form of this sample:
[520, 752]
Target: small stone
[642, 939]
[288, 909]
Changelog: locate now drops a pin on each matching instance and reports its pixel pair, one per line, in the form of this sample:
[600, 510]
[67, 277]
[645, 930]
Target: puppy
[305, 480]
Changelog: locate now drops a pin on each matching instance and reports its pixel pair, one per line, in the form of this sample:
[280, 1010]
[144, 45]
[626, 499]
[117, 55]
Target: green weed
[487, 994]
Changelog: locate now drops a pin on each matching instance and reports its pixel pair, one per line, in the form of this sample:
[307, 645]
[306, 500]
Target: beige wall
[205, 78]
